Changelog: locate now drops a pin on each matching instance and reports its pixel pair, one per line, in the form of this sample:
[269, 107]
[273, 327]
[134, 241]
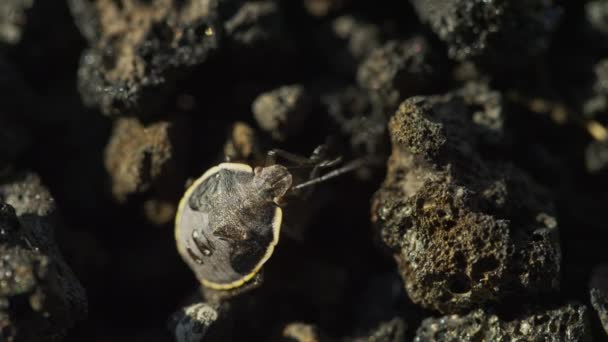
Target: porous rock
[399, 69]
[13, 19]
[241, 144]
[40, 298]
[596, 93]
[598, 289]
[282, 111]
[565, 323]
[465, 230]
[193, 322]
[256, 27]
[140, 157]
[597, 15]
[138, 49]
[496, 31]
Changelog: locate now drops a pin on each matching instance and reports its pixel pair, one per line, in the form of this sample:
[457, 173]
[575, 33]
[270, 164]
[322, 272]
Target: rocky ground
[481, 217]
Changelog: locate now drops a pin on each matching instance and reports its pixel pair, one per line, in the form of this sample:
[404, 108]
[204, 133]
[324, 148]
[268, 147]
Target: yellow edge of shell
[276, 226]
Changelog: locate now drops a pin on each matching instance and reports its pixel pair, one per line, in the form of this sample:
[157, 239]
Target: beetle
[229, 220]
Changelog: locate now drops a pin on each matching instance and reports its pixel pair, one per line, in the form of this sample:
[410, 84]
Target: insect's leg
[351, 166]
[272, 155]
[314, 173]
[319, 153]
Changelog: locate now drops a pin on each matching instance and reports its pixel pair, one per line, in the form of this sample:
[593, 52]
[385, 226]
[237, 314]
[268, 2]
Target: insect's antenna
[353, 165]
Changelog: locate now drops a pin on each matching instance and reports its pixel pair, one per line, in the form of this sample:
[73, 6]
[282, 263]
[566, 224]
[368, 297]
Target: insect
[228, 221]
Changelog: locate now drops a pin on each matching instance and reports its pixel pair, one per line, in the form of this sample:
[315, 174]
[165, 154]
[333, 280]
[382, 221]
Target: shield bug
[228, 221]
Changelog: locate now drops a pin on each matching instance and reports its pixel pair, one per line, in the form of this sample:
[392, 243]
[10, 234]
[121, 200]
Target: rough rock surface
[138, 49]
[40, 297]
[598, 290]
[566, 323]
[502, 32]
[12, 20]
[140, 156]
[465, 230]
[399, 69]
[282, 111]
[194, 321]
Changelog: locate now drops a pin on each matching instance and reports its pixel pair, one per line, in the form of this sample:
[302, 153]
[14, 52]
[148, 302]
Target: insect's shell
[222, 230]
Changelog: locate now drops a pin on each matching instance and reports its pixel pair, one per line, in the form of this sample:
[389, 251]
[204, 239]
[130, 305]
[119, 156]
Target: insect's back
[224, 231]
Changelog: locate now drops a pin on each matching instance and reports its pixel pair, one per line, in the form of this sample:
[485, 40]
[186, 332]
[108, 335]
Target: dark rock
[566, 323]
[192, 322]
[147, 159]
[13, 18]
[398, 70]
[139, 49]
[495, 32]
[242, 144]
[597, 15]
[281, 112]
[256, 25]
[466, 230]
[40, 298]
[598, 289]
[596, 156]
[595, 103]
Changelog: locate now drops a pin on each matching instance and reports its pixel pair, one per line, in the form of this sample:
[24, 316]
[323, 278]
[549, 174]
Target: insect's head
[272, 181]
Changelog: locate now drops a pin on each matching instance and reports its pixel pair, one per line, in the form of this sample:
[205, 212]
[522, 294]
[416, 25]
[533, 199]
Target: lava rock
[192, 322]
[495, 32]
[598, 289]
[282, 111]
[145, 158]
[595, 101]
[139, 49]
[256, 28]
[241, 145]
[465, 230]
[566, 323]
[40, 298]
[596, 156]
[398, 70]
[13, 14]
[597, 15]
